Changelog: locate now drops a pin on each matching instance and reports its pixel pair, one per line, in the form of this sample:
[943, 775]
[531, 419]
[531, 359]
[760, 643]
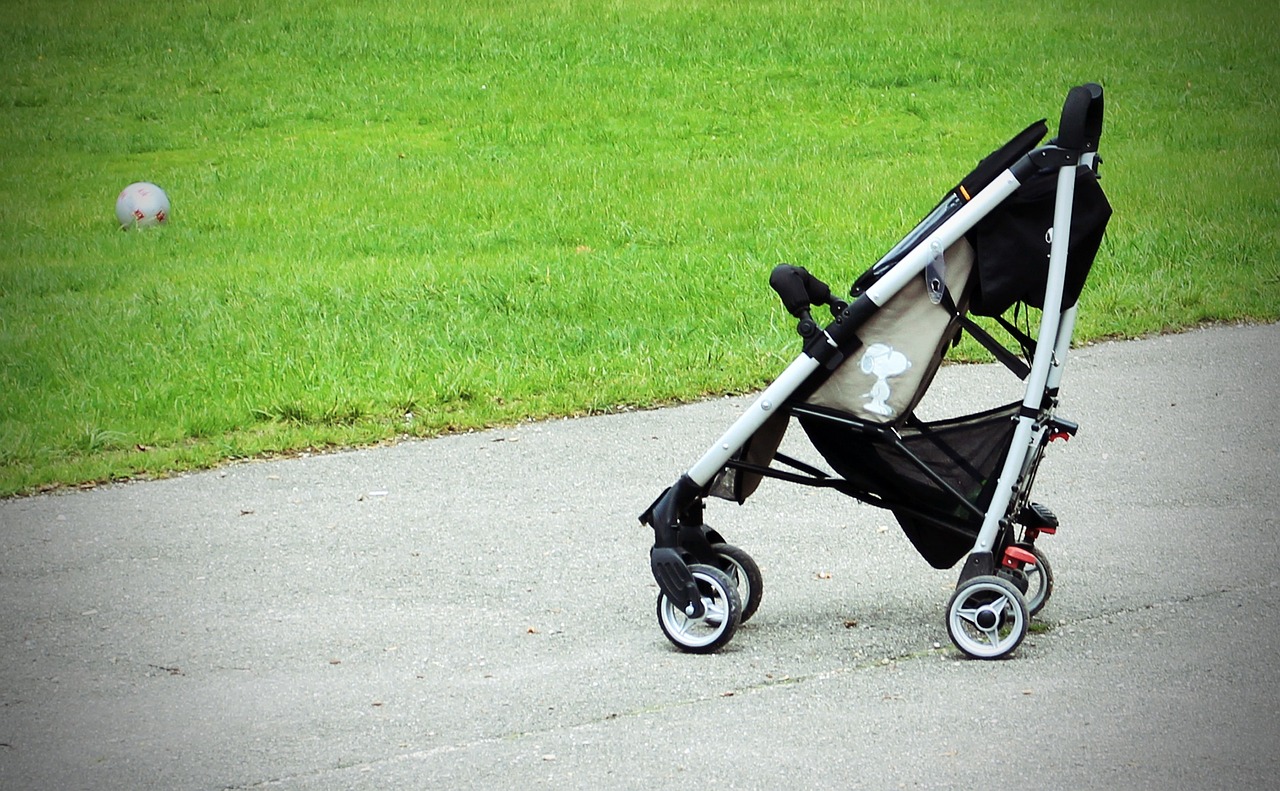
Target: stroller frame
[707, 587]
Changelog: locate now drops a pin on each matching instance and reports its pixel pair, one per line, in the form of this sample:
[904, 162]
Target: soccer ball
[142, 204]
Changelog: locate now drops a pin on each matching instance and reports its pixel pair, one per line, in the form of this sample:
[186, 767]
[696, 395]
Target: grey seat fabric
[901, 348]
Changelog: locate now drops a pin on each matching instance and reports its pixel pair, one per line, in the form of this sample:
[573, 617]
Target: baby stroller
[1023, 227]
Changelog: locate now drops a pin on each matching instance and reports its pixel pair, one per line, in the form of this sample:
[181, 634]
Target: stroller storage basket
[941, 471]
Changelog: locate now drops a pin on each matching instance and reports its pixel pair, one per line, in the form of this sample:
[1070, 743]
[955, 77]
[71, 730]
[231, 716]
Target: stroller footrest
[1038, 517]
[1061, 428]
[676, 581]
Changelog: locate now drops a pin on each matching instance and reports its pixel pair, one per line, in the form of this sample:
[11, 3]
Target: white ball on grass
[142, 204]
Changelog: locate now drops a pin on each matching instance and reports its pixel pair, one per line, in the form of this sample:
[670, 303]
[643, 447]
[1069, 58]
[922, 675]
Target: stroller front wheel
[743, 572]
[987, 617]
[716, 627]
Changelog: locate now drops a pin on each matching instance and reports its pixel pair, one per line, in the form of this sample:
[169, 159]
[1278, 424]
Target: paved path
[476, 612]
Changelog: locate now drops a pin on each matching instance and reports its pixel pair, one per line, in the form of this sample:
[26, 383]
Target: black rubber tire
[987, 617]
[716, 627]
[1040, 578]
[742, 570]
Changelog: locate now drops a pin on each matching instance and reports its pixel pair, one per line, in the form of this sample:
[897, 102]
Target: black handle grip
[1081, 125]
[798, 289]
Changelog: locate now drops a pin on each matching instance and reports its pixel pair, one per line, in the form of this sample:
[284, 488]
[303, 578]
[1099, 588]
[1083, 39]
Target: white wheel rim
[738, 576]
[985, 621]
[698, 632]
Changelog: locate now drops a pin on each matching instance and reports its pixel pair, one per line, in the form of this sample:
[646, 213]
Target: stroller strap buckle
[935, 273]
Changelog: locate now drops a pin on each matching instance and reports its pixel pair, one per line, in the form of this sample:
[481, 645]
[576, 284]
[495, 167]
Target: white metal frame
[911, 265]
[1046, 368]
[1046, 365]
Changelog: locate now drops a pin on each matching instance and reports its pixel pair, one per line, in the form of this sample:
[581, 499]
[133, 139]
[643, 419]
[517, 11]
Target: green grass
[412, 218]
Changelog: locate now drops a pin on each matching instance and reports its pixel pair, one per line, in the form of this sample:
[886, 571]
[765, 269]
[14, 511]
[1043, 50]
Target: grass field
[401, 219]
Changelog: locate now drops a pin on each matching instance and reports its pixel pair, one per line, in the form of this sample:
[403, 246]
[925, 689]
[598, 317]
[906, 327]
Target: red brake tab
[1017, 557]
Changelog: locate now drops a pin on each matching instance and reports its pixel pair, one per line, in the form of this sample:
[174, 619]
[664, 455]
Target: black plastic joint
[846, 325]
[978, 564]
[666, 511]
[820, 347]
[807, 327]
[1043, 160]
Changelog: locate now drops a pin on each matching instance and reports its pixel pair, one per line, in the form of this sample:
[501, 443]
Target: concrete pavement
[476, 612]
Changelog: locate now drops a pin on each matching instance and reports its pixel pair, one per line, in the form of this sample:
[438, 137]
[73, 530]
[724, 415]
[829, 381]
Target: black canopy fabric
[1001, 159]
[1012, 244]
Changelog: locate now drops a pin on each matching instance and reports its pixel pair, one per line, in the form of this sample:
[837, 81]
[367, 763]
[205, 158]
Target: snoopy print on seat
[882, 361]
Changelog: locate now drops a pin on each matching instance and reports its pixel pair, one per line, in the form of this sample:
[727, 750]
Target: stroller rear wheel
[987, 617]
[717, 625]
[743, 572]
[1039, 579]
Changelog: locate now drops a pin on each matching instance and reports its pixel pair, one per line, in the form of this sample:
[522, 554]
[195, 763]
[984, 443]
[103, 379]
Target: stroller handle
[1081, 125]
[800, 290]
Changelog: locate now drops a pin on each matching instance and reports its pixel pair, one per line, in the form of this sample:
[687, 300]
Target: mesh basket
[967, 453]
